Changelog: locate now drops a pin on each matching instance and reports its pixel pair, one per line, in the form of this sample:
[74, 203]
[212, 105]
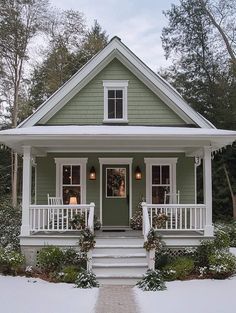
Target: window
[160, 180]
[115, 101]
[71, 180]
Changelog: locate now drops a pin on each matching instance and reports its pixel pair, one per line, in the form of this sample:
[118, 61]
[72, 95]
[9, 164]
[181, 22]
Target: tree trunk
[233, 195]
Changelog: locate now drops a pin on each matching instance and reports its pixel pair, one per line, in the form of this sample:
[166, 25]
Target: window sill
[115, 121]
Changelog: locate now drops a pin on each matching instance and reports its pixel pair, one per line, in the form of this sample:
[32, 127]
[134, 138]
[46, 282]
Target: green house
[115, 137]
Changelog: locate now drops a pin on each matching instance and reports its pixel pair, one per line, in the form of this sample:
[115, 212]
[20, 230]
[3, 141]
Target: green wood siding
[87, 107]
[46, 176]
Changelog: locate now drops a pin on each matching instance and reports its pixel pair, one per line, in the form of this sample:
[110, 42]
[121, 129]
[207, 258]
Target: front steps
[120, 259]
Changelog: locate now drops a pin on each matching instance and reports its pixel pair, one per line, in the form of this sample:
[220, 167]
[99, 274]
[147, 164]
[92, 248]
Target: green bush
[203, 252]
[73, 257]
[10, 261]
[69, 274]
[50, 259]
[152, 281]
[229, 228]
[222, 265]
[10, 221]
[181, 268]
[86, 279]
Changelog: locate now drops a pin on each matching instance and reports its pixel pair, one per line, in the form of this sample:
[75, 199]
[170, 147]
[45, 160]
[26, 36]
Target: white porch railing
[180, 216]
[58, 217]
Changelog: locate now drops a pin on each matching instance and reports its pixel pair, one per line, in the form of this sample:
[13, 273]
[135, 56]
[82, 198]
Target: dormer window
[115, 101]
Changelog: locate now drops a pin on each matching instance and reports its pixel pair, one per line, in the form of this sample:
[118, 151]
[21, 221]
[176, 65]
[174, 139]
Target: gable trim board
[116, 49]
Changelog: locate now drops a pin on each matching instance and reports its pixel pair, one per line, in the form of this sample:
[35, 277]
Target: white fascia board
[87, 72]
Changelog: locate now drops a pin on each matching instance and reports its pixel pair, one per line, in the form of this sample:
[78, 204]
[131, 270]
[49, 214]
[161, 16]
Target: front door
[115, 202]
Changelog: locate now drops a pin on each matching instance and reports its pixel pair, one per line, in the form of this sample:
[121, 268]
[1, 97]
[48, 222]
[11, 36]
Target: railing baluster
[195, 214]
[185, 218]
[181, 216]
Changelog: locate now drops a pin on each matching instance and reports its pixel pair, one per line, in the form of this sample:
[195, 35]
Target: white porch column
[207, 183]
[26, 192]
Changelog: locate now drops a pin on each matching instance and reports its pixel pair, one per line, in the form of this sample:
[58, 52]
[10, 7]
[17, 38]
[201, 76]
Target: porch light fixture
[73, 200]
[138, 173]
[92, 173]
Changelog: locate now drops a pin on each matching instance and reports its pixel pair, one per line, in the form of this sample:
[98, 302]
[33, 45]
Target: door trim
[116, 161]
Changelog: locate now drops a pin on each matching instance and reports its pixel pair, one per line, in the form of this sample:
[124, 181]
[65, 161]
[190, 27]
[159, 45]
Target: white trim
[159, 161]
[114, 85]
[83, 175]
[117, 49]
[116, 161]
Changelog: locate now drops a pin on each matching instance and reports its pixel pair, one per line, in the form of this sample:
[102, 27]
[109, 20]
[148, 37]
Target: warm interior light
[92, 173]
[73, 200]
[138, 173]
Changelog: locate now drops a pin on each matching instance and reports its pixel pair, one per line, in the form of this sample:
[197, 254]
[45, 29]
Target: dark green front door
[115, 188]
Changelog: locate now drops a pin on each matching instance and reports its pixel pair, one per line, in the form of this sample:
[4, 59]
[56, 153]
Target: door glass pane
[158, 194]
[116, 182]
[165, 175]
[71, 191]
[111, 108]
[156, 175]
[75, 175]
[66, 174]
[119, 108]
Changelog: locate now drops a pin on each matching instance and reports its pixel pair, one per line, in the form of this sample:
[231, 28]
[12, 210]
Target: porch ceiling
[116, 138]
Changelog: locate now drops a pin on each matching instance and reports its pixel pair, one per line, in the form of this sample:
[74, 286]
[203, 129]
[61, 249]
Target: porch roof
[114, 136]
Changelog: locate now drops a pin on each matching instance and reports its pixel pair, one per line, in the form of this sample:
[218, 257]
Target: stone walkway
[116, 299]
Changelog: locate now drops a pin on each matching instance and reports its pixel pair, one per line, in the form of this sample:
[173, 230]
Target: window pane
[155, 175]
[119, 108]
[111, 93]
[158, 194]
[71, 192]
[111, 108]
[166, 174]
[75, 175]
[66, 174]
[119, 94]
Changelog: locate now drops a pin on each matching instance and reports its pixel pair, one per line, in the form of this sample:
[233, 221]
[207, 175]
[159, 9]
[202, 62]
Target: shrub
[50, 259]
[203, 252]
[181, 268]
[10, 261]
[69, 274]
[97, 223]
[222, 265]
[86, 279]
[87, 240]
[152, 281]
[78, 222]
[73, 257]
[230, 229]
[153, 241]
[10, 221]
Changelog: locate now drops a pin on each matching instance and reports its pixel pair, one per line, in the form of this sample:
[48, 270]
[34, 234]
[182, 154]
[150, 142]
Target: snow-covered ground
[27, 295]
[193, 296]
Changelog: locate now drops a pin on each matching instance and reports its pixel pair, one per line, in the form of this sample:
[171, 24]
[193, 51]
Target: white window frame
[115, 85]
[155, 162]
[59, 177]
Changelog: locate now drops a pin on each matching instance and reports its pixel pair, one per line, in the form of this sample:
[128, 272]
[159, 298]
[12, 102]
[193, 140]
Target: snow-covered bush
[86, 279]
[10, 261]
[153, 241]
[229, 228]
[181, 268]
[10, 221]
[152, 281]
[69, 274]
[73, 257]
[222, 265]
[136, 221]
[50, 259]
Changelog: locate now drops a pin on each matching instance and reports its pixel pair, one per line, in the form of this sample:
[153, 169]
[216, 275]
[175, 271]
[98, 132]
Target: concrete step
[118, 279]
[124, 241]
[117, 249]
[120, 269]
[123, 259]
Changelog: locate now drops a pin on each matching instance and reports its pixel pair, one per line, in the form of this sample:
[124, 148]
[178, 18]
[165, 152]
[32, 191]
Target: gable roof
[116, 49]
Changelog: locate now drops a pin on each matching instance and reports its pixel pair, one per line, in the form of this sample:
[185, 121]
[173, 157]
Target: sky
[138, 23]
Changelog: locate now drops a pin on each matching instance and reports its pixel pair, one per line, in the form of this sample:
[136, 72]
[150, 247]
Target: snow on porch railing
[179, 216]
[58, 217]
